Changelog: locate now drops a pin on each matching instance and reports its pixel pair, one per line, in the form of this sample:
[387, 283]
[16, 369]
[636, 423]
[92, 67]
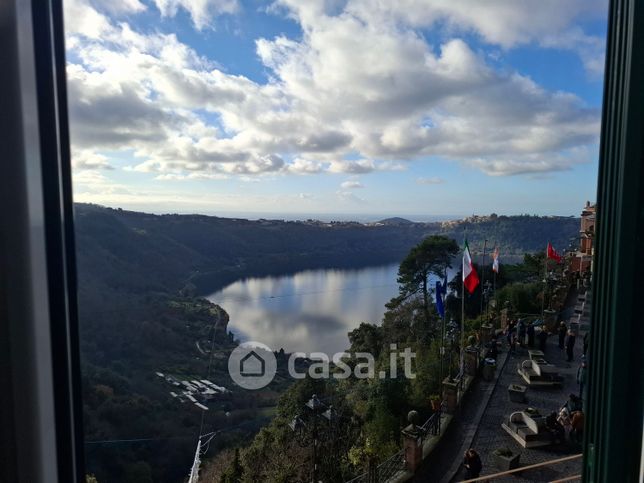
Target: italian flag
[470, 277]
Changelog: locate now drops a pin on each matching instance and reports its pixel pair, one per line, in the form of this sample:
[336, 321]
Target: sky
[417, 108]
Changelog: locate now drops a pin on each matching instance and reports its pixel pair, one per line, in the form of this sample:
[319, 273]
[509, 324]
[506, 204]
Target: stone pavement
[491, 436]
[478, 422]
[446, 458]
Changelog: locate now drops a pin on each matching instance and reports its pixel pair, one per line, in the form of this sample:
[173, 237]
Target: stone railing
[396, 466]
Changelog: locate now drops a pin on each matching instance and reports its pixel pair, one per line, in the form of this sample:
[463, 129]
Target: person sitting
[472, 464]
[573, 404]
[554, 427]
[564, 419]
[577, 426]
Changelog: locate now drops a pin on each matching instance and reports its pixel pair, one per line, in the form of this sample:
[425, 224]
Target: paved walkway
[491, 436]
[446, 458]
[478, 424]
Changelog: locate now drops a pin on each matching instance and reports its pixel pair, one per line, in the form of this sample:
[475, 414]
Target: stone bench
[535, 354]
[527, 429]
[528, 371]
[542, 367]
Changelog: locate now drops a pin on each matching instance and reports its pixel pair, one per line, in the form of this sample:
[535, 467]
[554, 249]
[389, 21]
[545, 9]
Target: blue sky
[417, 108]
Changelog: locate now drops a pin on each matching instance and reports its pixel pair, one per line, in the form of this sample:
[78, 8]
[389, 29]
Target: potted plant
[532, 412]
[517, 393]
[505, 459]
[435, 401]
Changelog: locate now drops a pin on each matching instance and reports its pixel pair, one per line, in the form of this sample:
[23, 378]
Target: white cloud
[306, 166]
[503, 22]
[202, 12]
[87, 159]
[348, 185]
[82, 19]
[506, 23]
[361, 91]
[359, 166]
[120, 6]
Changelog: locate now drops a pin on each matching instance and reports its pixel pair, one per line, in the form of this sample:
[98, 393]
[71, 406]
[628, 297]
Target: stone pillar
[471, 361]
[412, 443]
[450, 394]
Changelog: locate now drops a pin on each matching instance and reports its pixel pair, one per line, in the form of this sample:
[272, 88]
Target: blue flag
[441, 289]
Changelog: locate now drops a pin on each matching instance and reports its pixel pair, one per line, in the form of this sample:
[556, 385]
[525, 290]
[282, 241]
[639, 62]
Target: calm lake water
[308, 311]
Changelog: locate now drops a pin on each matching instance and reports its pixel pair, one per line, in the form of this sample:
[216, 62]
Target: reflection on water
[309, 311]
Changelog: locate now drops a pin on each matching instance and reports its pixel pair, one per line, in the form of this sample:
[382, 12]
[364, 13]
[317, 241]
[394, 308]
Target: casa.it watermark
[253, 365]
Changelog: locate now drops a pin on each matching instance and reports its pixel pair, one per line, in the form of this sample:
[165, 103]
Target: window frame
[41, 435]
[613, 443]
[40, 402]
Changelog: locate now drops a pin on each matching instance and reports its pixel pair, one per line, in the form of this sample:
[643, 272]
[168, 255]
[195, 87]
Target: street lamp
[315, 425]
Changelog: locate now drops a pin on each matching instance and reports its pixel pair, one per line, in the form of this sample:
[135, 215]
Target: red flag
[552, 254]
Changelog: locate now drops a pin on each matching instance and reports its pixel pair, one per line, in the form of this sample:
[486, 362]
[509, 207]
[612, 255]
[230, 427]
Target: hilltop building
[582, 259]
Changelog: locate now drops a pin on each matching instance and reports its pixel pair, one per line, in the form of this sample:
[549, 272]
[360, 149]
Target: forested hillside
[139, 280]
[165, 252]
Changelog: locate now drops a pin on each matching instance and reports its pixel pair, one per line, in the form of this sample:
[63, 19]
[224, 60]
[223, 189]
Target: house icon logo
[252, 365]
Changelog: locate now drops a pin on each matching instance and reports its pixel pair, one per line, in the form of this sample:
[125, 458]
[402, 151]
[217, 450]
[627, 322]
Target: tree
[366, 338]
[524, 297]
[235, 471]
[472, 300]
[432, 256]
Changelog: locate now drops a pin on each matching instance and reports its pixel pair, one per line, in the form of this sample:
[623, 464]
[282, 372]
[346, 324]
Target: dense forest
[140, 277]
[161, 252]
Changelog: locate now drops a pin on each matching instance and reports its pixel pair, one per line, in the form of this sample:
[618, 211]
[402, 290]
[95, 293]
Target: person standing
[513, 345]
[570, 345]
[581, 377]
[530, 332]
[521, 330]
[510, 331]
[562, 334]
[472, 464]
[543, 337]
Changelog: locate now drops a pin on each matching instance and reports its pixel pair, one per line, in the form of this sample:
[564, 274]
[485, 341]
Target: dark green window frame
[613, 443]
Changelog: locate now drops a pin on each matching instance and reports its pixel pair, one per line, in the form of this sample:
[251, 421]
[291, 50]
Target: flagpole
[545, 277]
[442, 346]
[483, 274]
[462, 329]
[462, 371]
[493, 284]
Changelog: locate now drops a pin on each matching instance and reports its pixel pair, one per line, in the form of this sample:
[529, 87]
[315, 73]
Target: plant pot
[517, 393]
[506, 463]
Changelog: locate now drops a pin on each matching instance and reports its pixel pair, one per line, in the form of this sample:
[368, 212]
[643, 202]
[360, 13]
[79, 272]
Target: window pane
[312, 235]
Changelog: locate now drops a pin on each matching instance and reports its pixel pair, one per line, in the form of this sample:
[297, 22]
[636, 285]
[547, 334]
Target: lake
[307, 311]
